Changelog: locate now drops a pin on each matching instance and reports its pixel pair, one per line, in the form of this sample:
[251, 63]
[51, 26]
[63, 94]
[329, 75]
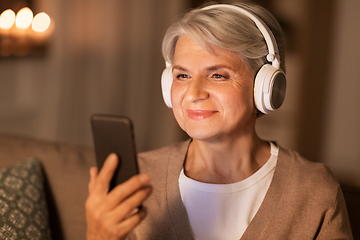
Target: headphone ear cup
[269, 88]
[166, 82]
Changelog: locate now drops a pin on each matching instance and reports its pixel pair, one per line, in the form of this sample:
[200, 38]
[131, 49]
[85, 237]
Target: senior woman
[224, 68]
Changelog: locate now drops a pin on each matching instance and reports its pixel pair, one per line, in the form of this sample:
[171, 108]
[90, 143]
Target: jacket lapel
[175, 206]
[271, 202]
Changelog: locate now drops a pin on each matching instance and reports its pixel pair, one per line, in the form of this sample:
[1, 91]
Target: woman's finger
[101, 183]
[129, 223]
[127, 207]
[109, 219]
[125, 190]
[93, 174]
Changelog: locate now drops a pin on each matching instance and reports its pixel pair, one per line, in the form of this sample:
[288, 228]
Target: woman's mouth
[200, 114]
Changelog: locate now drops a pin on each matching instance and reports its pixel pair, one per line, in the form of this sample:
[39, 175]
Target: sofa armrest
[66, 169]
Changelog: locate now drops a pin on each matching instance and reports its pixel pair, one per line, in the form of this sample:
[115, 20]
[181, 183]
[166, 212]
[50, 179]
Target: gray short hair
[226, 28]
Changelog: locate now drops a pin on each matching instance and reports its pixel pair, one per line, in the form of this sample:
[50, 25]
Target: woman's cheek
[176, 94]
[176, 103]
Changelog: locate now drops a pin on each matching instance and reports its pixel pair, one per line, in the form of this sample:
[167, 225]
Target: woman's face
[212, 93]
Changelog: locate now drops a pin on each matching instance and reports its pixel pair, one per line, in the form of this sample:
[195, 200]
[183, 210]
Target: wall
[103, 58]
[342, 139]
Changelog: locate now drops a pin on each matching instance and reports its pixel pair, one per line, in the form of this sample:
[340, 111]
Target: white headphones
[270, 81]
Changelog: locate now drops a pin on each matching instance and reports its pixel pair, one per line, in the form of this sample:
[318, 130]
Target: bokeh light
[7, 19]
[41, 22]
[24, 18]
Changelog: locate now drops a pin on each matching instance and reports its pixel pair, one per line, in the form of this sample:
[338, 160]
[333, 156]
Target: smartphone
[115, 134]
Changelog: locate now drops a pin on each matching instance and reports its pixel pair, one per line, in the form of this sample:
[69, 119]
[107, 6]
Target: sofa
[54, 177]
[63, 170]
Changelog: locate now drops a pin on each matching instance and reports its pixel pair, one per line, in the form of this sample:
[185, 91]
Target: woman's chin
[201, 135]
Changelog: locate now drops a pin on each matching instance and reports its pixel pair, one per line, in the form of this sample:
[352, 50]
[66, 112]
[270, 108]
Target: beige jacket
[304, 200]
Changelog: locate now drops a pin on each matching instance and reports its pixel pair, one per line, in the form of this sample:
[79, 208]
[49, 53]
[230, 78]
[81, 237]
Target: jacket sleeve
[336, 223]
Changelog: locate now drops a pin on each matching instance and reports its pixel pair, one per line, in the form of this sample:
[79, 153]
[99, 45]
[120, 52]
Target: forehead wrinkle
[218, 67]
[234, 61]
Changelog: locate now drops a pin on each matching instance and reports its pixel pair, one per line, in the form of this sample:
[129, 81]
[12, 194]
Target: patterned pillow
[23, 209]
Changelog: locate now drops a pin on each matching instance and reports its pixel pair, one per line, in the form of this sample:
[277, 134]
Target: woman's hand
[112, 215]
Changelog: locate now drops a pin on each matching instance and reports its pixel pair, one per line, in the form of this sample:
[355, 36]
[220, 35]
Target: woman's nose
[196, 90]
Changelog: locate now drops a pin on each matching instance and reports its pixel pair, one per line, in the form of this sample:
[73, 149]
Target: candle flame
[24, 18]
[41, 22]
[7, 19]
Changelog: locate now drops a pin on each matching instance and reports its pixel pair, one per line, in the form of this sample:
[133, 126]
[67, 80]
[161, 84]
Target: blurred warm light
[7, 19]
[24, 18]
[19, 39]
[41, 22]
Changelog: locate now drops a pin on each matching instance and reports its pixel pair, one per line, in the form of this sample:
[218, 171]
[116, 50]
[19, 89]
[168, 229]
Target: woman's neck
[224, 162]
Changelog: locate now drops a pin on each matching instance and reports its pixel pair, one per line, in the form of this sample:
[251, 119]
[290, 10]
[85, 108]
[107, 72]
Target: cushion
[23, 209]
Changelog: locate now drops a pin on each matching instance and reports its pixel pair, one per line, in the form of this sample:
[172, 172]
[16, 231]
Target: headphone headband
[273, 55]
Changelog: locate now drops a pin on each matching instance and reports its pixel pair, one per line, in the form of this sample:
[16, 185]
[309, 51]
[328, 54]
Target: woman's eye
[218, 76]
[182, 76]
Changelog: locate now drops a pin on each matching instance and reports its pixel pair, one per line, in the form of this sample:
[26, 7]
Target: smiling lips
[200, 114]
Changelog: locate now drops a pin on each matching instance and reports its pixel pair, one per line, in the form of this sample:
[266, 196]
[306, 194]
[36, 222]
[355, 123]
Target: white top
[223, 211]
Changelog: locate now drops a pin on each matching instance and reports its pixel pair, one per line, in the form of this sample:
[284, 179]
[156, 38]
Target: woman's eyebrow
[217, 67]
[211, 68]
[180, 68]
